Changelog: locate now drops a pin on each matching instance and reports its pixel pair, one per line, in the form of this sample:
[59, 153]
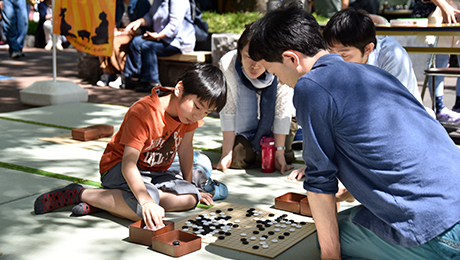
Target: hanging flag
[87, 24]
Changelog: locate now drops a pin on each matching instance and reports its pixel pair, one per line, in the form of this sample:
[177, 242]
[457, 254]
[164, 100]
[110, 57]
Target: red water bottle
[268, 154]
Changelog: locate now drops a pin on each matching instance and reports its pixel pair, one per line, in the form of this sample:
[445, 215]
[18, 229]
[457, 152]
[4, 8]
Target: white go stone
[275, 240]
[243, 234]
[265, 246]
[253, 238]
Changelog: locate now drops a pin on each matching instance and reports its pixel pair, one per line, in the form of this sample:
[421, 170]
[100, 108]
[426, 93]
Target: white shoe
[116, 83]
[49, 46]
[448, 116]
[59, 47]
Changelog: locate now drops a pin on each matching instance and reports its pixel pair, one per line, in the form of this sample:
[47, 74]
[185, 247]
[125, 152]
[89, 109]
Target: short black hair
[288, 27]
[350, 27]
[207, 82]
[243, 40]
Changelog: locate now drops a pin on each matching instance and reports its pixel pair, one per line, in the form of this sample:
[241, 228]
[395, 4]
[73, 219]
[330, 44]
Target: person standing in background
[15, 25]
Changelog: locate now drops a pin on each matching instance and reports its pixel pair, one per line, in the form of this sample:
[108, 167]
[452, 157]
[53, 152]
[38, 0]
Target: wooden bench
[171, 67]
[196, 56]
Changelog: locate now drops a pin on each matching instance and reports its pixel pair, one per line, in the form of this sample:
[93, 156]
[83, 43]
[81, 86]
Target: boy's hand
[206, 198]
[153, 215]
[297, 174]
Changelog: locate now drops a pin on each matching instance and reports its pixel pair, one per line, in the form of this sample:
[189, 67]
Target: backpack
[202, 169]
[201, 27]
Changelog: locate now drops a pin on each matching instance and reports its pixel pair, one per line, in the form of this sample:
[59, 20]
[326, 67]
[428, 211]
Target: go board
[248, 229]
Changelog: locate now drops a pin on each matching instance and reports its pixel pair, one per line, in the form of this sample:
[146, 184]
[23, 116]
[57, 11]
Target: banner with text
[87, 24]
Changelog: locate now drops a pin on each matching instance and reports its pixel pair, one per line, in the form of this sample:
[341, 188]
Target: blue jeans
[15, 23]
[141, 61]
[441, 61]
[360, 243]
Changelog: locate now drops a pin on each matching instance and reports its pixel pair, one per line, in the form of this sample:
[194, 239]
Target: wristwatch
[280, 148]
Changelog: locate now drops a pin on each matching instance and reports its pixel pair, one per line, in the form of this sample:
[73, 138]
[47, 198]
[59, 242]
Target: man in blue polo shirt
[363, 127]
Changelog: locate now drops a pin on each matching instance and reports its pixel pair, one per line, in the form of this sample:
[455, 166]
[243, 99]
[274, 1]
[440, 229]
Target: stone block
[88, 67]
[221, 44]
[49, 92]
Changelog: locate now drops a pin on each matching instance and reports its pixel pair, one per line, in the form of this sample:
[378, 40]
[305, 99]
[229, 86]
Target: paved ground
[30, 166]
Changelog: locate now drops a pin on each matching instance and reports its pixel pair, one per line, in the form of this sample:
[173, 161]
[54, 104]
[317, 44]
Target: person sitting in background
[45, 27]
[256, 102]
[113, 66]
[438, 12]
[351, 34]
[169, 33]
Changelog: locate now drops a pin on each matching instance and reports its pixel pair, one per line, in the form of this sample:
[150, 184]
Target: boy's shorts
[166, 181]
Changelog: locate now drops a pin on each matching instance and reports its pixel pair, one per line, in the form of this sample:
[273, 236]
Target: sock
[84, 208]
[439, 103]
[69, 195]
[457, 102]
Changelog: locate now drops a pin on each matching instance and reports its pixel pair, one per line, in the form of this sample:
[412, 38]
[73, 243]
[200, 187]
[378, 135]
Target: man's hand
[297, 174]
[133, 26]
[153, 215]
[206, 198]
[344, 195]
[150, 36]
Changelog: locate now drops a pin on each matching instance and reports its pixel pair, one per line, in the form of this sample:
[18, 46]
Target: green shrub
[229, 22]
[235, 22]
[32, 28]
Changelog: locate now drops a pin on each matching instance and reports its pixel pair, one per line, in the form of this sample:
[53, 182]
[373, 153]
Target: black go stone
[265, 236]
[218, 211]
[286, 233]
[221, 232]
[303, 223]
[245, 242]
[281, 237]
[228, 234]
[235, 225]
[271, 215]
[255, 232]
[255, 247]
[230, 209]
[243, 239]
[261, 228]
[221, 237]
[248, 215]
[271, 232]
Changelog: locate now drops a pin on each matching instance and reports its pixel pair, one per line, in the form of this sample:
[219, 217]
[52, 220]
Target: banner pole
[54, 46]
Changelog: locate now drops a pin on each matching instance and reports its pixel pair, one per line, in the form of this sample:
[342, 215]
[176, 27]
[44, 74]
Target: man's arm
[323, 208]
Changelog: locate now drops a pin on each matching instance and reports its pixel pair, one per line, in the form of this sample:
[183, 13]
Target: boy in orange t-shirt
[134, 165]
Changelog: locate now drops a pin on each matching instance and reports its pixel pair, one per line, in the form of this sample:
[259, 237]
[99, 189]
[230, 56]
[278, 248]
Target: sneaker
[146, 86]
[104, 81]
[116, 83]
[16, 54]
[456, 109]
[49, 46]
[59, 47]
[448, 116]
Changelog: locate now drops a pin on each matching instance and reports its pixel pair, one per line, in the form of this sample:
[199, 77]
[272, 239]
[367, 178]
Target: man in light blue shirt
[351, 33]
